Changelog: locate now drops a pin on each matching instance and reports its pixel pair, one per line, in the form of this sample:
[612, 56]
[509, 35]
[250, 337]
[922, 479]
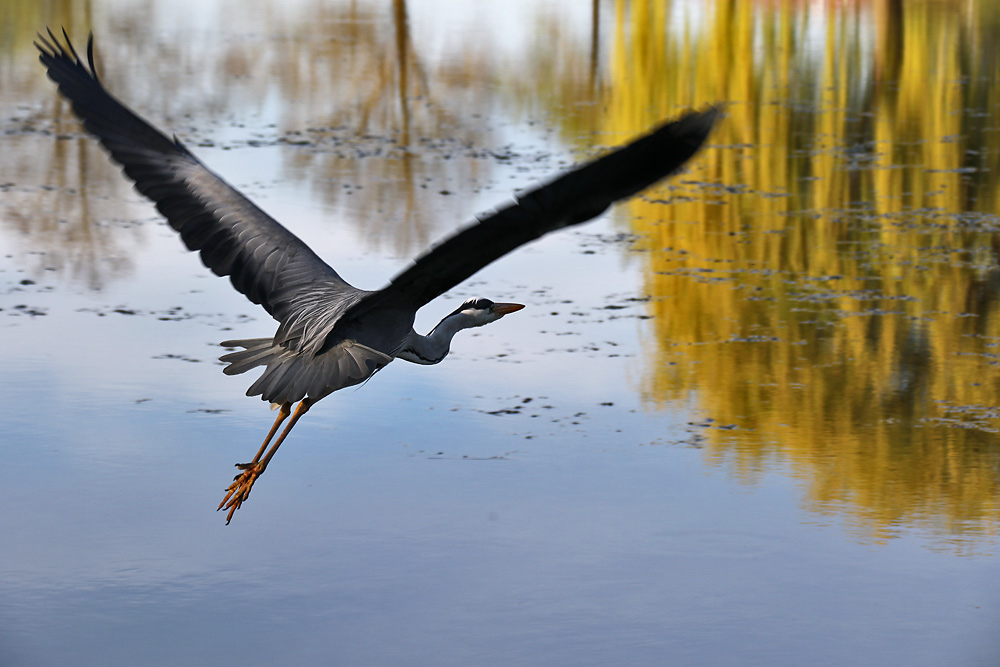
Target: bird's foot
[239, 490]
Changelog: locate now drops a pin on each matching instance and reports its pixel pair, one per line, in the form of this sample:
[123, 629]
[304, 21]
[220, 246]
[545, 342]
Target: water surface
[747, 418]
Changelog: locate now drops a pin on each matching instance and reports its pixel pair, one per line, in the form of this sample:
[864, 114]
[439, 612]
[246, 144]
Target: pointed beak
[502, 309]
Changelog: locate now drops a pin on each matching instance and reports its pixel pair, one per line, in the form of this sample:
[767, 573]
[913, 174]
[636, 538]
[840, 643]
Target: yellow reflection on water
[824, 286]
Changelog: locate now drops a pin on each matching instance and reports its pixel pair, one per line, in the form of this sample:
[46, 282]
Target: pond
[749, 417]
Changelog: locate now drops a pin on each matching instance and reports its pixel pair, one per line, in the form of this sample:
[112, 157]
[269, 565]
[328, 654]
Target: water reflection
[368, 113]
[827, 283]
[824, 283]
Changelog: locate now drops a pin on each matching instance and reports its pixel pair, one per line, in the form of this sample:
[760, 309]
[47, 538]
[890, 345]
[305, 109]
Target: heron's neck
[434, 347]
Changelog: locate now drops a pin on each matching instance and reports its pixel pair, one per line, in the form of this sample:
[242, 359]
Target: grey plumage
[331, 334]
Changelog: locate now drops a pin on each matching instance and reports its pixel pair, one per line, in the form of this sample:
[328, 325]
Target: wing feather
[264, 261]
[571, 199]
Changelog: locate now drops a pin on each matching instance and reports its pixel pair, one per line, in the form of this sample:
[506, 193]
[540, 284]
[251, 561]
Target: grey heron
[330, 334]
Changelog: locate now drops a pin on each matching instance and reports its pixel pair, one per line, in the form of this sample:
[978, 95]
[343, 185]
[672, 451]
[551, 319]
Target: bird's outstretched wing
[569, 200]
[265, 261]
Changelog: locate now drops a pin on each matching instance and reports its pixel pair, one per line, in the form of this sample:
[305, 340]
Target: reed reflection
[827, 281]
[378, 131]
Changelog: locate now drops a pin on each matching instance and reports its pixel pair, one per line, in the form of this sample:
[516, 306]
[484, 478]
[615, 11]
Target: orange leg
[239, 490]
[283, 411]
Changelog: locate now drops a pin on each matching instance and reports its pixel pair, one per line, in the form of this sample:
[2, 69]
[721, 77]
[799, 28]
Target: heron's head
[477, 312]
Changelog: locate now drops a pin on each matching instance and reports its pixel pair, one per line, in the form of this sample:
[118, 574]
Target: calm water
[757, 425]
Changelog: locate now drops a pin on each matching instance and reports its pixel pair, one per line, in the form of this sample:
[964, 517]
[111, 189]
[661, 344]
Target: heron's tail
[258, 352]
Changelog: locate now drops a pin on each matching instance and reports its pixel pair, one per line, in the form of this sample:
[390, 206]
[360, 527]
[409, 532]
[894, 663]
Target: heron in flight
[331, 334]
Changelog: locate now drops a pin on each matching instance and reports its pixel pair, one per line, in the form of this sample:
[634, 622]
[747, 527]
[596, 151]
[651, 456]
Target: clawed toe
[239, 490]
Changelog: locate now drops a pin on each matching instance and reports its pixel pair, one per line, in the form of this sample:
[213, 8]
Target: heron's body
[331, 334]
